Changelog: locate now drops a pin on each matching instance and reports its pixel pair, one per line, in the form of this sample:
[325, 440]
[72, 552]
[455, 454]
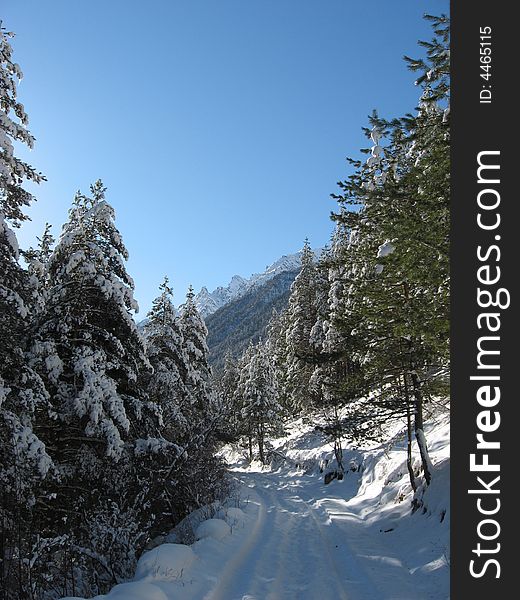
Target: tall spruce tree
[227, 384]
[167, 353]
[91, 356]
[399, 293]
[37, 260]
[261, 411]
[24, 460]
[301, 319]
[201, 401]
[201, 477]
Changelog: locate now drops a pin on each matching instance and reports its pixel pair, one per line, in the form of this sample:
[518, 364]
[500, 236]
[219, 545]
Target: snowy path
[307, 544]
[295, 538]
[287, 557]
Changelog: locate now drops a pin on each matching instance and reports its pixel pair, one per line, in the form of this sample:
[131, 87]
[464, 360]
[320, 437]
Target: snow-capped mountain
[209, 302]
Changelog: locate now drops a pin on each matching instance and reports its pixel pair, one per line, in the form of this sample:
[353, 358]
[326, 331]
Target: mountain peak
[208, 302]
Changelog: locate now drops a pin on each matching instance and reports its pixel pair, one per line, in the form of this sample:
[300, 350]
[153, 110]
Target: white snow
[217, 529]
[295, 538]
[166, 562]
[9, 235]
[385, 249]
[375, 134]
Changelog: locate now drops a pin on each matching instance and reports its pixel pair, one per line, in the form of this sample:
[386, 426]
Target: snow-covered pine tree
[226, 385]
[399, 293]
[301, 319]
[281, 357]
[166, 388]
[168, 356]
[201, 401]
[24, 461]
[88, 349]
[37, 260]
[260, 409]
[245, 426]
[200, 478]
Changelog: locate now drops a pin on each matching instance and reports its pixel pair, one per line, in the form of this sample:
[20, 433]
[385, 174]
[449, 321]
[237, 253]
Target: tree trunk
[409, 440]
[250, 441]
[260, 439]
[419, 429]
[338, 450]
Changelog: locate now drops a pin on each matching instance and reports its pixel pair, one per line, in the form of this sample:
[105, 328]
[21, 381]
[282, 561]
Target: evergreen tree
[200, 398]
[399, 296]
[200, 479]
[245, 426]
[261, 411]
[91, 355]
[227, 385]
[24, 460]
[37, 260]
[281, 357]
[301, 319]
[169, 358]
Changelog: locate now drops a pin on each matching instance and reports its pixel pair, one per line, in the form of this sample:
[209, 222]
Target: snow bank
[166, 562]
[136, 590]
[184, 532]
[234, 517]
[213, 528]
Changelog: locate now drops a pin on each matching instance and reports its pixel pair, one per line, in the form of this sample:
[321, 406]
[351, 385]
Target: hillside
[209, 302]
[232, 327]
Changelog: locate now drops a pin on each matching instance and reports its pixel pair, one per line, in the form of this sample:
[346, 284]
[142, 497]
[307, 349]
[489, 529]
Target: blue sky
[220, 127]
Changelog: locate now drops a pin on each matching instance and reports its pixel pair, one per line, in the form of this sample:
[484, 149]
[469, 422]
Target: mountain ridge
[209, 302]
[245, 319]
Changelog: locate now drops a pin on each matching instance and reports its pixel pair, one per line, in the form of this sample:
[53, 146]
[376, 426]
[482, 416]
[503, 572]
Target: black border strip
[479, 126]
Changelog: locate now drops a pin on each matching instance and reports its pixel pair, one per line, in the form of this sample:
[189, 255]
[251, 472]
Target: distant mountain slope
[209, 302]
[234, 325]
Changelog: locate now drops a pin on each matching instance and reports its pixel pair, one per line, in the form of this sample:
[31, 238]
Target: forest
[109, 434]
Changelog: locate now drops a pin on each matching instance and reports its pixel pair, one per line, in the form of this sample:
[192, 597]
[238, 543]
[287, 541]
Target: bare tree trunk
[338, 450]
[260, 439]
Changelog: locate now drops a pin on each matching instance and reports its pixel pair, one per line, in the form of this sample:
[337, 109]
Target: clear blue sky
[220, 127]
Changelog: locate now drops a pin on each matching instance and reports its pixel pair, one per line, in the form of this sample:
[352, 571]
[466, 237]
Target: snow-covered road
[306, 543]
[290, 553]
[288, 536]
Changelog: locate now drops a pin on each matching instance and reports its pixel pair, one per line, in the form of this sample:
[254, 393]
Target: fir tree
[169, 358]
[301, 319]
[92, 357]
[200, 478]
[24, 460]
[37, 260]
[227, 385]
[200, 398]
[261, 411]
[398, 298]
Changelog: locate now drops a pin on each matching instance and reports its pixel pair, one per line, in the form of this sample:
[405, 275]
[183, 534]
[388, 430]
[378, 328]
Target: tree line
[106, 435]
[365, 335]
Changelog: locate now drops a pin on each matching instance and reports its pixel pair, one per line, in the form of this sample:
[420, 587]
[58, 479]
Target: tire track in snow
[234, 565]
[278, 556]
[314, 567]
[369, 576]
[300, 549]
[353, 573]
[280, 560]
